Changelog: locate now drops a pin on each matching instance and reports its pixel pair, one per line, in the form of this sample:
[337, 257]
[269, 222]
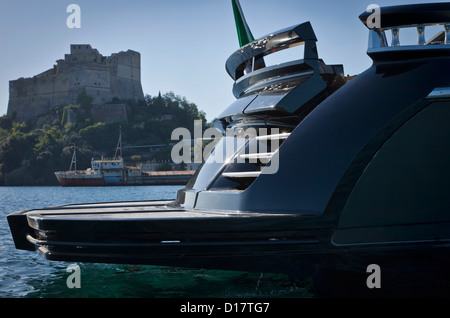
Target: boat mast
[119, 145]
[74, 160]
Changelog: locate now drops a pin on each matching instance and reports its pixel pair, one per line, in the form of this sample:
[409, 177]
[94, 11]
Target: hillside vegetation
[31, 151]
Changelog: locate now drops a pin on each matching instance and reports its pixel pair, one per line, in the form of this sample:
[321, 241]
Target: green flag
[244, 34]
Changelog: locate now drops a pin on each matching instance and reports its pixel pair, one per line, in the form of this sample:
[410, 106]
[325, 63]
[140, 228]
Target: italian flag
[245, 36]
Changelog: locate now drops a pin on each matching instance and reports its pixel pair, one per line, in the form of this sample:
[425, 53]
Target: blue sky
[183, 43]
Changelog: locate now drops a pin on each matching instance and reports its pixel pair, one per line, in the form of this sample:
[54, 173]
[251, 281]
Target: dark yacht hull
[156, 233]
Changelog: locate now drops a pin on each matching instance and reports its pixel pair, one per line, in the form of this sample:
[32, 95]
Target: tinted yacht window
[408, 180]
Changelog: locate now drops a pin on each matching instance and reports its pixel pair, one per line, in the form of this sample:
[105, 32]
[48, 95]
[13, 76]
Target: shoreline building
[105, 78]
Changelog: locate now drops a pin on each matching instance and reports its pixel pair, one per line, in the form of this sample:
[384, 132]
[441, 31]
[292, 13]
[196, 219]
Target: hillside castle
[104, 78]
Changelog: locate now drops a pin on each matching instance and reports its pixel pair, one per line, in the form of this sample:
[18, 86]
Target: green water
[25, 274]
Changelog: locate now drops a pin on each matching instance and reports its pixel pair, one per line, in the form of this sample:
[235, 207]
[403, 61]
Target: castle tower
[103, 78]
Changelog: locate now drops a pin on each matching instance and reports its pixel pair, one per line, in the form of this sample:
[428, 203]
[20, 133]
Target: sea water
[26, 274]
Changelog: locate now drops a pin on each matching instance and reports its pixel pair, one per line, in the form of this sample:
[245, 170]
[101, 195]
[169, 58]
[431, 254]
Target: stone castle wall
[103, 78]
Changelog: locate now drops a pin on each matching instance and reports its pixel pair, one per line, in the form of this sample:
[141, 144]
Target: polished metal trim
[269, 44]
[275, 80]
[395, 36]
[261, 155]
[421, 34]
[277, 136]
[271, 75]
[243, 174]
[377, 38]
[409, 48]
[439, 92]
[447, 33]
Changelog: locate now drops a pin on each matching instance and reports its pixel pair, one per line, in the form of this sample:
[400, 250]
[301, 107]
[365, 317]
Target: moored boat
[114, 172]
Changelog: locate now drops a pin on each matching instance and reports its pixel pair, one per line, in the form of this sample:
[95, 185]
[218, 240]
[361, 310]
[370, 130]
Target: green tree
[14, 149]
[49, 140]
[6, 122]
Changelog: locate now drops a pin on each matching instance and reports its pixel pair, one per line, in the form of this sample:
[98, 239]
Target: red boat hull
[77, 182]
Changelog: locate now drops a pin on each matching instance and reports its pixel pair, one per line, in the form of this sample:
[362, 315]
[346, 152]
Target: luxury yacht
[340, 175]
